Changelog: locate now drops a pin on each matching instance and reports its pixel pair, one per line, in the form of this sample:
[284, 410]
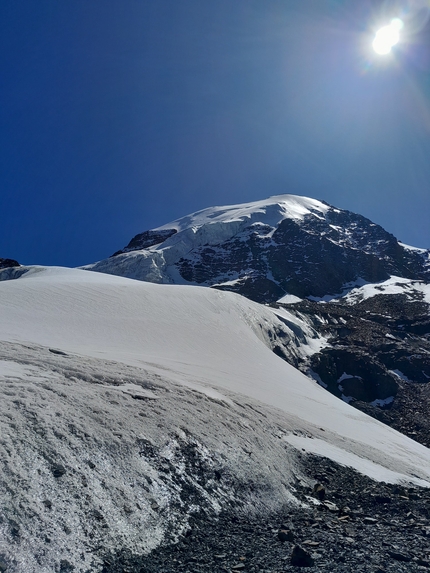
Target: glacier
[107, 382]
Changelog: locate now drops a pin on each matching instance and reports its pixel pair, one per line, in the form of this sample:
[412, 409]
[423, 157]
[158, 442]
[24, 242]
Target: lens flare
[387, 37]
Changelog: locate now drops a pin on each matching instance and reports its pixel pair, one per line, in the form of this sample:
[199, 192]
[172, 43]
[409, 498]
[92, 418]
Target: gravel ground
[351, 524]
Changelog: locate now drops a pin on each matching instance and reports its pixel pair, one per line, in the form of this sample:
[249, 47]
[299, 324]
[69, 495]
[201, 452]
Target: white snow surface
[290, 299]
[210, 226]
[194, 334]
[393, 285]
[307, 340]
[269, 211]
[94, 367]
[359, 290]
[411, 248]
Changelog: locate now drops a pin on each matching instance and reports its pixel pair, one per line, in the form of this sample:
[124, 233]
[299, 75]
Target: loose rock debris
[377, 528]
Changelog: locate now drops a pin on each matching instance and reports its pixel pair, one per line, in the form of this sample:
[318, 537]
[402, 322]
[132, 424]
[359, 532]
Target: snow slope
[189, 335]
[106, 383]
[414, 290]
[269, 211]
[359, 290]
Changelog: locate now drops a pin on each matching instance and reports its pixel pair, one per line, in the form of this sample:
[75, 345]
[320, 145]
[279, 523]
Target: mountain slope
[129, 407]
[265, 249]
[377, 355]
[330, 263]
[191, 335]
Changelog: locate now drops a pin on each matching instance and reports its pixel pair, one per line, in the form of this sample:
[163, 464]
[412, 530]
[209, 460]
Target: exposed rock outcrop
[8, 263]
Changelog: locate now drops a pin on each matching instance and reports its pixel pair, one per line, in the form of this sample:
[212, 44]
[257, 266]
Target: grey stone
[319, 491]
[58, 470]
[301, 558]
[398, 556]
[285, 535]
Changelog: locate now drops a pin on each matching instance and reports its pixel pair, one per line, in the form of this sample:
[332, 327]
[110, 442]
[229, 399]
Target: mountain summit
[266, 249]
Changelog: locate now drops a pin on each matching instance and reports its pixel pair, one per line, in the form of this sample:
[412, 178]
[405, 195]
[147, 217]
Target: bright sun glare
[387, 37]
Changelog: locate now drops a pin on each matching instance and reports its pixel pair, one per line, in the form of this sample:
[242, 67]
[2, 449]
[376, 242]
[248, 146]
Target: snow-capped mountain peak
[269, 211]
[286, 244]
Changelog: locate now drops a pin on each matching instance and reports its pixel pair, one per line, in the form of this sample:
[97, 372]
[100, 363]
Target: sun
[387, 37]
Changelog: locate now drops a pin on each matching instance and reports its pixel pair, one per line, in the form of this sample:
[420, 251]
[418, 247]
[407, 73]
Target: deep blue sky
[121, 115]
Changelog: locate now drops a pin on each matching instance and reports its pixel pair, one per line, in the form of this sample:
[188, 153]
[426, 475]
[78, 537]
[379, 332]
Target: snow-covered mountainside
[300, 254]
[412, 290]
[128, 409]
[283, 245]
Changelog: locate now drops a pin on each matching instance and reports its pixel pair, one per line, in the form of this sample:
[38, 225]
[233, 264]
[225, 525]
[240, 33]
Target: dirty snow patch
[399, 374]
[381, 403]
[347, 458]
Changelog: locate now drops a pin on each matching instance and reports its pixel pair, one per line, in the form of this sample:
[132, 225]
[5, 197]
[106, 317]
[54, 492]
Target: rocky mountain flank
[377, 357]
[377, 350]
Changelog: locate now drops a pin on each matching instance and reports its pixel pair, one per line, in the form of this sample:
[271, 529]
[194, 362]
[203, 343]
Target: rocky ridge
[8, 263]
[377, 357]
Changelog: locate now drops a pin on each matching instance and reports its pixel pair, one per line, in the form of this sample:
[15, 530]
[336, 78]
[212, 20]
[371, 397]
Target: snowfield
[128, 406]
[359, 290]
[269, 211]
[394, 285]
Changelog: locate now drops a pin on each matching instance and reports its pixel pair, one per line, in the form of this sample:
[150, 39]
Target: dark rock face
[369, 380]
[146, 240]
[8, 263]
[310, 257]
[301, 558]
